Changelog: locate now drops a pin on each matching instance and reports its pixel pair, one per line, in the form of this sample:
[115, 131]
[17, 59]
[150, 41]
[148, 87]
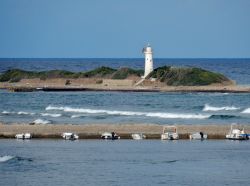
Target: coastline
[94, 131]
[48, 86]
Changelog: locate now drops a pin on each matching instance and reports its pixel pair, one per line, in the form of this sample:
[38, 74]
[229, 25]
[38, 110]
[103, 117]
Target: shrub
[99, 81]
[68, 82]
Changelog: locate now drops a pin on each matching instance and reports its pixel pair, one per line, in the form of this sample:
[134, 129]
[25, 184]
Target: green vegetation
[124, 73]
[186, 76]
[98, 72]
[170, 75]
[16, 75]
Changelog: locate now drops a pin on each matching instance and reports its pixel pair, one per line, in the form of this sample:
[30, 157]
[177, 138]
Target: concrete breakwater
[94, 131]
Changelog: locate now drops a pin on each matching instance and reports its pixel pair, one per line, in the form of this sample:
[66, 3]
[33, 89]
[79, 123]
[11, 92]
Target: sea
[127, 107]
[125, 162]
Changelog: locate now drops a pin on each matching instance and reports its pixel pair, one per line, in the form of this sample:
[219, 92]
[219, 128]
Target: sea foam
[54, 108]
[51, 115]
[7, 112]
[180, 116]
[77, 116]
[41, 121]
[25, 113]
[208, 107]
[246, 111]
[6, 158]
[19, 113]
[130, 113]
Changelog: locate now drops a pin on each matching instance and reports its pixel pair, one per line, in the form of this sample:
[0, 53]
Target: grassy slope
[169, 75]
[187, 76]
[16, 75]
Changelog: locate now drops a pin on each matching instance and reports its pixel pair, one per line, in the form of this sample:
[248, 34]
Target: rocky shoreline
[20, 87]
[94, 131]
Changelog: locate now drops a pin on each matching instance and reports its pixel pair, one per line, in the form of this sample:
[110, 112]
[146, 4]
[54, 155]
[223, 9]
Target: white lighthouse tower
[148, 52]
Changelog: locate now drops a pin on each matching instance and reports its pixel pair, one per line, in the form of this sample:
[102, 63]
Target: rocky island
[166, 78]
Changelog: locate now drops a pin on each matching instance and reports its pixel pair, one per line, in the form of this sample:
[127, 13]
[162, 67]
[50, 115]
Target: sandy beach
[93, 131]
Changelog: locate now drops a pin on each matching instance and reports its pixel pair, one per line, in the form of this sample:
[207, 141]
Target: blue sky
[120, 28]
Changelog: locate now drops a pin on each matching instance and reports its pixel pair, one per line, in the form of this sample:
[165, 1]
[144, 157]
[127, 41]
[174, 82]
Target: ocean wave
[6, 158]
[178, 116]
[41, 121]
[246, 111]
[51, 115]
[130, 113]
[19, 113]
[77, 116]
[16, 158]
[7, 112]
[223, 116]
[54, 108]
[25, 113]
[207, 107]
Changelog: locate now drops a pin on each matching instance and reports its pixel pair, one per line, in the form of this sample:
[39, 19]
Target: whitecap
[54, 108]
[246, 111]
[41, 121]
[76, 116]
[178, 116]
[25, 113]
[22, 113]
[51, 115]
[7, 112]
[208, 107]
[132, 113]
[6, 158]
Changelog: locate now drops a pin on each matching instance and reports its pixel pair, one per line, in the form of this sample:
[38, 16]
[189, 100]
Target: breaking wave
[6, 158]
[7, 112]
[77, 116]
[25, 113]
[51, 115]
[16, 158]
[54, 108]
[129, 113]
[223, 116]
[19, 113]
[176, 116]
[41, 121]
[207, 107]
[246, 111]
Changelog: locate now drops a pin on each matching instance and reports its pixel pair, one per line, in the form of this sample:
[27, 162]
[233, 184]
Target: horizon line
[123, 58]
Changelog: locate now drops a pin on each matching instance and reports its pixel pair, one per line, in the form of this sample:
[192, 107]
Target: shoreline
[173, 89]
[127, 85]
[94, 131]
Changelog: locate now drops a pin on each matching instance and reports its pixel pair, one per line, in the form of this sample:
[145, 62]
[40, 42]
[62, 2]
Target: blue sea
[127, 107]
[235, 69]
[125, 162]
[122, 107]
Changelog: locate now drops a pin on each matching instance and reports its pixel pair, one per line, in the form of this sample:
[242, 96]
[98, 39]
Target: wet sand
[94, 131]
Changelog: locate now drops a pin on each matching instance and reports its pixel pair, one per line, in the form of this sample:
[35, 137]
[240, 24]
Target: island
[164, 79]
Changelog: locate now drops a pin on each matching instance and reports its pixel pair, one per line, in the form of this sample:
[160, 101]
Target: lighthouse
[148, 53]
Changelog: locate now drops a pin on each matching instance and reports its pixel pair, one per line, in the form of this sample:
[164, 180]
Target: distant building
[148, 52]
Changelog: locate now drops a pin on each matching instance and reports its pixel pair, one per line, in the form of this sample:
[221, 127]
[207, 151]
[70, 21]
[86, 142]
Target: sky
[121, 28]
